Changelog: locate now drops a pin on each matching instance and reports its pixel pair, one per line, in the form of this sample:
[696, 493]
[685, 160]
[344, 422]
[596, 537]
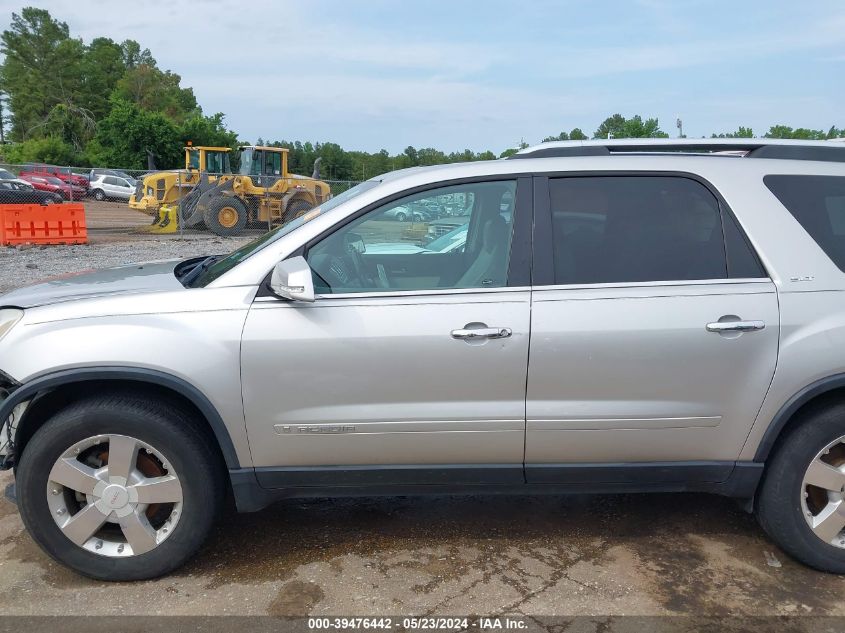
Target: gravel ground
[24, 265]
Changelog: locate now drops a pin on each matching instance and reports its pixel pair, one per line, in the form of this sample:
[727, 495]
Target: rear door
[654, 329]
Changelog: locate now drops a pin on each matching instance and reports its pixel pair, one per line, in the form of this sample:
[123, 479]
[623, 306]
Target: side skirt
[255, 489]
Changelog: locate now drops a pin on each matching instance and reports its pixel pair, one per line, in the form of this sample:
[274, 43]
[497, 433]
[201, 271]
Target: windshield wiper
[200, 267]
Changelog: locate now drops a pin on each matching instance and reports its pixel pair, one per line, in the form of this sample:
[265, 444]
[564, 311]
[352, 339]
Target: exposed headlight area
[8, 318]
[7, 386]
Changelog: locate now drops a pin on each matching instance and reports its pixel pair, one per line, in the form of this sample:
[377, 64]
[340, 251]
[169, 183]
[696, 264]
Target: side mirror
[291, 279]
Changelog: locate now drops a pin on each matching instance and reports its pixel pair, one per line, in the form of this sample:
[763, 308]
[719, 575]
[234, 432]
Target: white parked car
[104, 187]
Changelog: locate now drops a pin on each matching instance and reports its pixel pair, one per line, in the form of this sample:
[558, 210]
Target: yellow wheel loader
[262, 194]
[169, 187]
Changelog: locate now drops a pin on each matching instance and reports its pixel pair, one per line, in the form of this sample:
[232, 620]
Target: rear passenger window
[818, 203]
[627, 229]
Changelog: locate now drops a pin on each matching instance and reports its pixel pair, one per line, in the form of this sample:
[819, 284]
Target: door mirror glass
[291, 279]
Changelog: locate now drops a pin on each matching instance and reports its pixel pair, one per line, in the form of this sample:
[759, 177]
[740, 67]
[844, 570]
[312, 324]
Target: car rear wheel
[120, 487]
[802, 498]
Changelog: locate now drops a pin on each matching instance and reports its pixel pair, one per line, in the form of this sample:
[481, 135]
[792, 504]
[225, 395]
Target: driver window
[446, 238]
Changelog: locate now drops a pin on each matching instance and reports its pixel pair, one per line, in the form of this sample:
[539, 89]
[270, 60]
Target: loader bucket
[168, 220]
[188, 204]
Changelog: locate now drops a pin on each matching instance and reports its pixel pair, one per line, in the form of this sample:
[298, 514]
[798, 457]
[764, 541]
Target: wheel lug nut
[120, 548]
[99, 545]
[55, 491]
[60, 511]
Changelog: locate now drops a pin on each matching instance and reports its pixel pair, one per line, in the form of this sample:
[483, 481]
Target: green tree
[49, 149]
[784, 131]
[41, 69]
[577, 135]
[102, 66]
[207, 130]
[133, 56]
[563, 136]
[155, 90]
[128, 132]
[617, 126]
[741, 132]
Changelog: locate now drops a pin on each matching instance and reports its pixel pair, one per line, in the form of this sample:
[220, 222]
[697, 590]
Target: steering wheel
[364, 280]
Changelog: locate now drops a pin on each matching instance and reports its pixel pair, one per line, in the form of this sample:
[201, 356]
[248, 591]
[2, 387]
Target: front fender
[29, 390]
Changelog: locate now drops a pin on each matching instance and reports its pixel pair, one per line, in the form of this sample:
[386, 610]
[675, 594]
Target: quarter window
[446, 238]
[818, 203]
[628, 229]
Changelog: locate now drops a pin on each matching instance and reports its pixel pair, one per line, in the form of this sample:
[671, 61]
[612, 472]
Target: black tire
[99, 195]
[779, 508]
[218, 212]
[173, 432]
[401, 217]
[296, 209]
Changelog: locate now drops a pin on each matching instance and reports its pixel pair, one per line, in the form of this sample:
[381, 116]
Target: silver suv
[620, 317]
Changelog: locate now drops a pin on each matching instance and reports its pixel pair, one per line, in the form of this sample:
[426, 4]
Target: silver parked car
[641, 316]
[104, 187]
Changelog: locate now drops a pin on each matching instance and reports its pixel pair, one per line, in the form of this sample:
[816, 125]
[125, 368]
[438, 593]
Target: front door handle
[482, 332]
[735, 326]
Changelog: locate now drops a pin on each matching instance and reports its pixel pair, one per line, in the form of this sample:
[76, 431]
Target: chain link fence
[179, 202]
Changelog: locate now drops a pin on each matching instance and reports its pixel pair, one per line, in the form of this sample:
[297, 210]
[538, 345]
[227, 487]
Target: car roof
[711, 166]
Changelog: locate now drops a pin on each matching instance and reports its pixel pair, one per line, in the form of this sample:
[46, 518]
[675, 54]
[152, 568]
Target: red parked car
[62, 173]
[54, 185]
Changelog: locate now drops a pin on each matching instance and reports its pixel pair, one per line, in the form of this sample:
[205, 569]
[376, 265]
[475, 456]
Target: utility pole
[680, 125]
[2, 120]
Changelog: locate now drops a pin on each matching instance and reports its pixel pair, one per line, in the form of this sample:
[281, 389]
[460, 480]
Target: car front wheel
[120, 487]
[802, 498]
[99, 195]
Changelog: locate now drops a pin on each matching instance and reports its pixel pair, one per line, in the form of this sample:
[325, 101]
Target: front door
[655, 339]
[410, 366]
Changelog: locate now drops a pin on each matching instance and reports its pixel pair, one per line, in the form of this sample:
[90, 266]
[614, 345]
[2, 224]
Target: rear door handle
[735, 326]
[482, 332]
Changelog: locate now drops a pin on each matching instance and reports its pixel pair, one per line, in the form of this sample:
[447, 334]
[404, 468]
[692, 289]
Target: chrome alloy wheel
[114, 495]
[823, 494]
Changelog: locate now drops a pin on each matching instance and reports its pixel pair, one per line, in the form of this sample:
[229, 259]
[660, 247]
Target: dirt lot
[586, 555]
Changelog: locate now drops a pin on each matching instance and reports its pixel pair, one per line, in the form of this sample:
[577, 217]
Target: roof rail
[785, 149]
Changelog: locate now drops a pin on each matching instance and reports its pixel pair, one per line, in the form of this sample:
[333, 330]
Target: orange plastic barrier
[42, 224]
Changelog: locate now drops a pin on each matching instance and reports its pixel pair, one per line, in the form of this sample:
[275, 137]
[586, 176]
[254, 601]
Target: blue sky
[485, 74]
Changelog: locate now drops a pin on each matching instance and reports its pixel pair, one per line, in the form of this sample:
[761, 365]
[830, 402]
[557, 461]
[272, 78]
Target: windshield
[217, 162]
[247, 160]
[228, 262]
